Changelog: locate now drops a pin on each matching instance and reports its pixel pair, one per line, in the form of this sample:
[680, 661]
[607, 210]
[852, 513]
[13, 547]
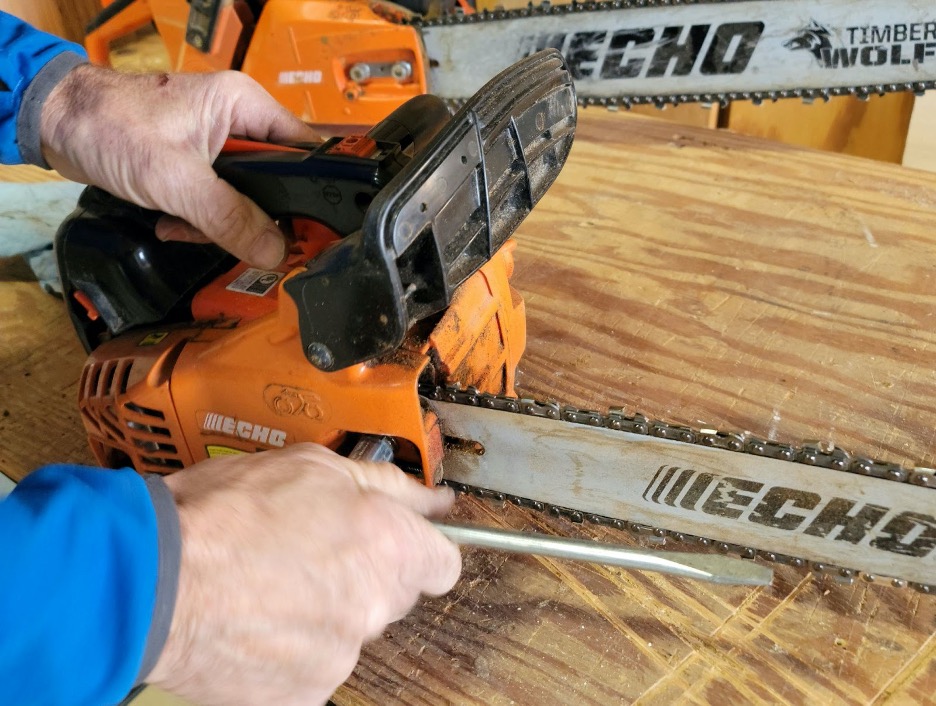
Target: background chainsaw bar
[624, 52]
[851, 516]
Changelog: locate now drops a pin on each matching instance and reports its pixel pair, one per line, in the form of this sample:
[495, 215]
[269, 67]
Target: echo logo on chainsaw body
[288, 401]
[241, 429]
[911, 534]
[653, 52]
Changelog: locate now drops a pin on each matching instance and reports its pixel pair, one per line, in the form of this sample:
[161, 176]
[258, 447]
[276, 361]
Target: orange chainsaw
[397, 277]
[393, 320]
[346, 63]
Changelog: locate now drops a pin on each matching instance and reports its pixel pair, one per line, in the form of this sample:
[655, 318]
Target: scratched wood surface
[702, 278]
[711, 280]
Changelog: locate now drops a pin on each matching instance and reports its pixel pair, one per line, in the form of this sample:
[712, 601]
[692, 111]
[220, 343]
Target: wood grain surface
[702, 278]
[713, 280]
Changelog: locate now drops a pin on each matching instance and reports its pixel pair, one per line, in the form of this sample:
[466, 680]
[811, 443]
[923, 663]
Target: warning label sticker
[214, 450]
[154, 338]
[255, 282]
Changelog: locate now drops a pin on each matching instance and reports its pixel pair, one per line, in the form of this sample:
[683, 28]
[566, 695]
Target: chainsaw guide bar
[659, 52]
[633, 473]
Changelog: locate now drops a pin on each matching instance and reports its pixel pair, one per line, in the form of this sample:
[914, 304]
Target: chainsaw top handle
[333, 182]
[117, 276]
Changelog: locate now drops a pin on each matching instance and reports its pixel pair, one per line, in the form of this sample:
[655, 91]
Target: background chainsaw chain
[546, 8]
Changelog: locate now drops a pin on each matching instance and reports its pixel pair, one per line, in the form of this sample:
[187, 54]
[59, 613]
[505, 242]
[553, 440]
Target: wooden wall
[875, 128]
[66, 18]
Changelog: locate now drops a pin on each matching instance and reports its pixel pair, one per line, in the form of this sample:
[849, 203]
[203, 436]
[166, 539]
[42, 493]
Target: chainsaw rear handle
[117, 275]
[334, 183]
[441, 218]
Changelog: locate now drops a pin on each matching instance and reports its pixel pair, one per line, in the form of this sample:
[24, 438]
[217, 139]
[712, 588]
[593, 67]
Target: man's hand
[291, 559]
[151, 139]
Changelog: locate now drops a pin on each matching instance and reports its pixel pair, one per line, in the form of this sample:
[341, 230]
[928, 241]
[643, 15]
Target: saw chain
[546, 9]
[823, 457]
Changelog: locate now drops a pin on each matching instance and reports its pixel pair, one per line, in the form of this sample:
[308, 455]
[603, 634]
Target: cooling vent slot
[137, 431]
[107, 379]
[100, 383]
[151, 439]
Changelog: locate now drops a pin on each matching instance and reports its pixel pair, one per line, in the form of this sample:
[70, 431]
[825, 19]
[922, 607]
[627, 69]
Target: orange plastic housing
[301, 51]
[165, 399]
[217, 300]
[170, 17]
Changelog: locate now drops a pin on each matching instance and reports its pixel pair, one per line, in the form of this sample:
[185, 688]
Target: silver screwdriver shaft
[703, 567]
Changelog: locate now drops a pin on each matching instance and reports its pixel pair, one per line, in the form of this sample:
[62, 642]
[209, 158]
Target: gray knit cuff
[27, 120]
[169, 543]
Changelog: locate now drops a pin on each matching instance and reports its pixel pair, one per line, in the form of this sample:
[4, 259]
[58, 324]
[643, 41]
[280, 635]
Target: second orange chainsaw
[346, 63]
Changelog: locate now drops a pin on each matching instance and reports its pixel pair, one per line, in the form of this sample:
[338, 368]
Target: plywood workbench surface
[702, 278]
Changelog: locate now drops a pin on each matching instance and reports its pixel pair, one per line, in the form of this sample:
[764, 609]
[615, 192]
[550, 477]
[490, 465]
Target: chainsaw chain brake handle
[420, 203]
[440, 218]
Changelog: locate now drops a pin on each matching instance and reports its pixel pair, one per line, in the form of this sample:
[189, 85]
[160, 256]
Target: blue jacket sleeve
[25, 53]
[85, 584]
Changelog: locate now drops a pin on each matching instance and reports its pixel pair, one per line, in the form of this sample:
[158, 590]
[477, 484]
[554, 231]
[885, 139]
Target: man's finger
[435, 566]
[257, 115]
[409, 558]
[229, 218]
[172, 228]
[406, 490]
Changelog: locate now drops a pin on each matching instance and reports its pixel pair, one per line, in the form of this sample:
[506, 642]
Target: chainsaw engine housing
[397, 277]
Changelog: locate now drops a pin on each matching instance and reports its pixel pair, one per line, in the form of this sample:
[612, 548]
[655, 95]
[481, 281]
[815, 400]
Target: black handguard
[441, 218]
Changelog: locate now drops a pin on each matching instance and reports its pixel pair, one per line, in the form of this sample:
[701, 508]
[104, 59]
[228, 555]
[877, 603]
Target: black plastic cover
[441, 218]
[107, 249]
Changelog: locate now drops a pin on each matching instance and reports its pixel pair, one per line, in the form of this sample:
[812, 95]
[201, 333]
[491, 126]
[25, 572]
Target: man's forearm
[90, 560]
